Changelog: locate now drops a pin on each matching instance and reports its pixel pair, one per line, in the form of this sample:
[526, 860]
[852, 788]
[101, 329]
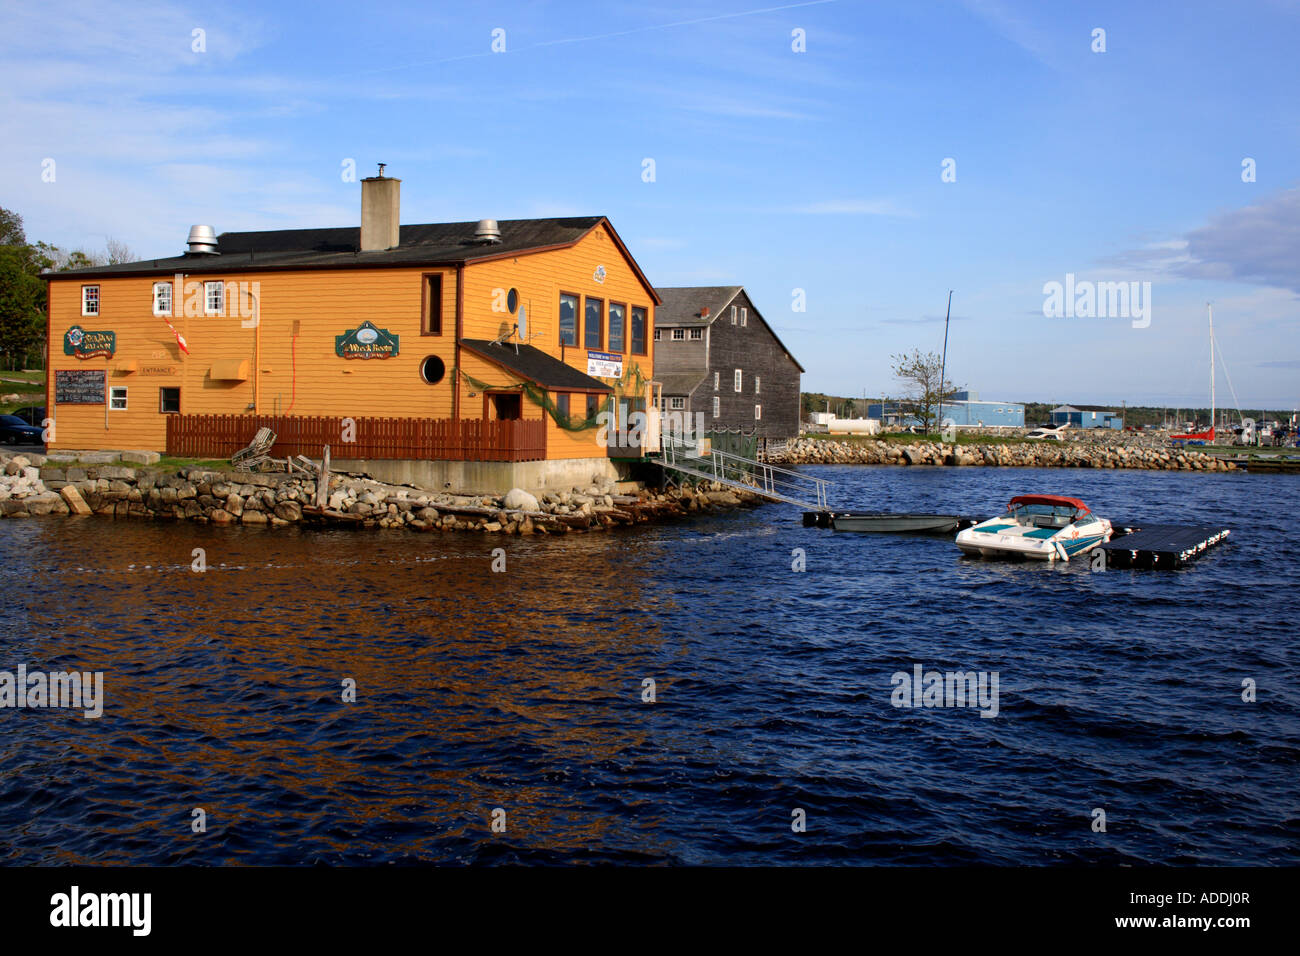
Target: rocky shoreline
[31, 486]
[1038, 454]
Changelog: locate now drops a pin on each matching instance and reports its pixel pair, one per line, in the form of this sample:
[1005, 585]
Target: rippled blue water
[522, 690]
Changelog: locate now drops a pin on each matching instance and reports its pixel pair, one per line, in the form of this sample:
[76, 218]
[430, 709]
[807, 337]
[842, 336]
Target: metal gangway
[699, 459]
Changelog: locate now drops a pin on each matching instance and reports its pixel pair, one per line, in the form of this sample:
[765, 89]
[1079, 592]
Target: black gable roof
[428, 243]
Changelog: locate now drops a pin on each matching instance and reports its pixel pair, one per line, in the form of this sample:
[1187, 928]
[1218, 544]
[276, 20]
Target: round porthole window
[512, 300]
[432, 370]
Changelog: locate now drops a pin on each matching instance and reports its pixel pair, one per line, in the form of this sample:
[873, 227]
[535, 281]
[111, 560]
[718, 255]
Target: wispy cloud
[1257, 244]
[1017, 28]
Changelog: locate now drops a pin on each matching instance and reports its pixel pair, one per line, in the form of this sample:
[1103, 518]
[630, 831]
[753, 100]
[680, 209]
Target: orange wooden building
[476, 355]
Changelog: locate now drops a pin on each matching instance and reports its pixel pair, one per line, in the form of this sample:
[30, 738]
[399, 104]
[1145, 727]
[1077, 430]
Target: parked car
[15, 431]
[1046, 432]
[31, 414]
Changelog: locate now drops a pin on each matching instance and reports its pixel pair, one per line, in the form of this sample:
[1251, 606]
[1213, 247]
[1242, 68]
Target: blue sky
[775, 169]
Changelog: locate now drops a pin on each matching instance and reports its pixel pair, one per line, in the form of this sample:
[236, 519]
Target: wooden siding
[540, 277]
[301, 375]
[287, 372]
[754, 350]
[220, 436]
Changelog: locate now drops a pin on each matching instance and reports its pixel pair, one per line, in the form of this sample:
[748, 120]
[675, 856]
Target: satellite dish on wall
[523, 323]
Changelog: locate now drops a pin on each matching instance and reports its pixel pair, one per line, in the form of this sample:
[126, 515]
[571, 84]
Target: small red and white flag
[180, 339]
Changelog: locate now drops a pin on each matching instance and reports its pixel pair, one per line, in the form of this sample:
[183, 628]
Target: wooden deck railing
[431, 439]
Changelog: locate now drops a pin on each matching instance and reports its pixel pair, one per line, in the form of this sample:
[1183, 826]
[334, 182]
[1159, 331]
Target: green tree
[22, 304]
[22, 294]
[11, 229]
[921, 376]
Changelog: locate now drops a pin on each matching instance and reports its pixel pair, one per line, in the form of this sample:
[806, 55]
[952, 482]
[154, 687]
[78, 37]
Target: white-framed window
[739, 376]
[90, 300]
[744, 315]
[657, 331]
[117, 398]
[697, 333]
[758, 384]
[717, 380]
[733, 315]
[717, 406]
[214, 298]
[162, 298]
[758, 413]
[676, 403]
[679, 334]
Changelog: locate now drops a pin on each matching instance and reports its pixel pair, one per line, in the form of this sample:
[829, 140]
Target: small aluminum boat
[1041, 527]
[898, 523]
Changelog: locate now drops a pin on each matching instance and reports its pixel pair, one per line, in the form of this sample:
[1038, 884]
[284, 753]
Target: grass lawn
[29, 386]
[168, 463]
[32, 376]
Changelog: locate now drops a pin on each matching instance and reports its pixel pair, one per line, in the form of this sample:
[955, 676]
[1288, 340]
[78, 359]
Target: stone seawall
[30, 486]
[1039, 454]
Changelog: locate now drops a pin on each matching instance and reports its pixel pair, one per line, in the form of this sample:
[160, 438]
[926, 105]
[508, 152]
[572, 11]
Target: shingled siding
[754, 350]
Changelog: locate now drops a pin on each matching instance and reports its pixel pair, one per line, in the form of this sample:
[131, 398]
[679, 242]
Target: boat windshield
[1043, 516]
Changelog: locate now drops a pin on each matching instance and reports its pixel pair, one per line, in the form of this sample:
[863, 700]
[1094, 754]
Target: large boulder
[76, 504]
[519, 500]
[141, 457]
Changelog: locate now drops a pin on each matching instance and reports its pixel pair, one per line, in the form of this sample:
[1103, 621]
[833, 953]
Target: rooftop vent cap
[203, 241]
[487, 231]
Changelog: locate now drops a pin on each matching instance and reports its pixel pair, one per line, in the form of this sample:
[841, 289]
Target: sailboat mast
[1210, 310]
[943, 363]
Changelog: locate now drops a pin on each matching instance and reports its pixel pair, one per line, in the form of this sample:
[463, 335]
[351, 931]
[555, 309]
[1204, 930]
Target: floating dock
[1159, 546]
[826, 519]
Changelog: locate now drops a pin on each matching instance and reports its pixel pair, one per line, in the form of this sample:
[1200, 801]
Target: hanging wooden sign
[366, 342]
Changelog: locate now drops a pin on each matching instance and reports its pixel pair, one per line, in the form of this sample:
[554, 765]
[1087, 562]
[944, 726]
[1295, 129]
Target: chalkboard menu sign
[79, 387]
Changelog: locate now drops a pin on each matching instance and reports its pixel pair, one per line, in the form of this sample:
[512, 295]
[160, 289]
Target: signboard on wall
[78, 387]
[366, 342]
[604, 365]
[85, 343]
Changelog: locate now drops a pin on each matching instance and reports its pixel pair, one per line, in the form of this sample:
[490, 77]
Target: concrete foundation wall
[488, 477]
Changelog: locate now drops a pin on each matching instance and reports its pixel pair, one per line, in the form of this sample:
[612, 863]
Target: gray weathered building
[715, 354]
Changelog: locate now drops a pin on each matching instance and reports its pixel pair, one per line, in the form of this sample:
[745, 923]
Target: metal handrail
[769, 481]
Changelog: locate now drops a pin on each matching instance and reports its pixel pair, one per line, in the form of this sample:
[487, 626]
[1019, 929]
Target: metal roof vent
[203, 241]
[487, 231]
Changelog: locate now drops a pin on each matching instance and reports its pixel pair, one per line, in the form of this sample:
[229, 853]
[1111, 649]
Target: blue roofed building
[1087, 416]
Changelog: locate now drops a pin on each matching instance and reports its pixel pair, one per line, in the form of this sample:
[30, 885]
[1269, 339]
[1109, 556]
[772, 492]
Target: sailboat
[1205, 436]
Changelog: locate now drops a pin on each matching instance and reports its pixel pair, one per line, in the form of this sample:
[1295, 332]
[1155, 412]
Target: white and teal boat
[1041, 527]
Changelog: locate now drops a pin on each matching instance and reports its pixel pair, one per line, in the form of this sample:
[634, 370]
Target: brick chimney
[380, 212]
